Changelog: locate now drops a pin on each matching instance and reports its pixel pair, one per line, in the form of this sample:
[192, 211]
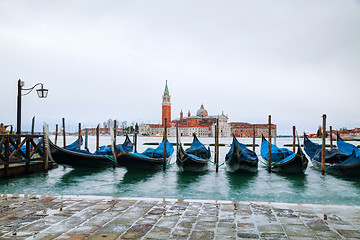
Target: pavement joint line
[87, 220]
[49, 216]
[255, 222]
[277, 219]
[134, 221]
[69, 218]
[155, 206]
[17, 230]
[126, 210]
[177, 222]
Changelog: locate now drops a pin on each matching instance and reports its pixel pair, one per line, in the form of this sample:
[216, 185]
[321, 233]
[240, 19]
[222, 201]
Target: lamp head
[42, 92]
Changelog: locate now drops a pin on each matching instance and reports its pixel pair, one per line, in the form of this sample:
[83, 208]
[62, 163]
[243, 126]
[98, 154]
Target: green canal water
[311, 187]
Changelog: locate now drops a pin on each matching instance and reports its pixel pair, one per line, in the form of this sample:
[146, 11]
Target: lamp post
[41, 92]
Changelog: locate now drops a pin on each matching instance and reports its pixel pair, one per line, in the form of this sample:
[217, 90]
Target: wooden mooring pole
[56, 133]
[215, 138]
[115, 133]
[323, 146]
[32, 133]
[217, 145]
[79, 137]
[97, 137]
[331, 138]
[269, 160]
[294, 130]
[63, 130]
[32, 125]
[165, 139]
[136, 135]
[254, 138]
[177, 137]
[86, 138]
[46, 147]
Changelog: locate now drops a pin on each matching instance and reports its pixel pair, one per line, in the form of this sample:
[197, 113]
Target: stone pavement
[94, 217]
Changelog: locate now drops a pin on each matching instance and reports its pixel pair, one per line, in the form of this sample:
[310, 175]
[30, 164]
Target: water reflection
[133, 176]
[186, 179]
[240, 180]
[76, 174]
[298, 181]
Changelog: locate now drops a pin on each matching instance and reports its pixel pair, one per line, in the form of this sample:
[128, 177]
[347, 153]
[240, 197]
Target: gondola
[341, 161]
[240, 158]
[149, 159]
[283, 160]
[71, 155]
[127, 146]
[195, 158]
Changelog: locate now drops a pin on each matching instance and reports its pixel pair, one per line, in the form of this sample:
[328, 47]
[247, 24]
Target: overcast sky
[99, 59]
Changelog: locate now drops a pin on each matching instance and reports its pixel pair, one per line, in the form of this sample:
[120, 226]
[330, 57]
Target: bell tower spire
[166, 105]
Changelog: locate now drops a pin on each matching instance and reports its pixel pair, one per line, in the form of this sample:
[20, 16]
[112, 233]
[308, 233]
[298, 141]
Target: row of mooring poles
[79, 134]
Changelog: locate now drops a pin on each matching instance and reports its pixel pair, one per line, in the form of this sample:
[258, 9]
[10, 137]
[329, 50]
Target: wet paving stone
[168, 221]
[137, 231]
[248, 235]
[298, 230]
[181, 232]
[158, 233]
[203, 235]
[77, 217]
[273, 236]
[353, 234]
[270, 228]
[204, 225]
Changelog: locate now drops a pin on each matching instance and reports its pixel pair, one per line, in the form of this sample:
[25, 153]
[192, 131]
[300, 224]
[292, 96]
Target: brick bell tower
[166, 106]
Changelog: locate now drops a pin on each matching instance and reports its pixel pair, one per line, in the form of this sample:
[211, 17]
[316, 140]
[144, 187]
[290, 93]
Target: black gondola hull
[294, 166]
[189, 164]
[236, 163]
[351, 170]
[133, 161]
[64, 156]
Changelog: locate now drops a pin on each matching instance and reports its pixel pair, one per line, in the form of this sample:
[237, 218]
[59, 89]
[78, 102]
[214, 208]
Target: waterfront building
[202, 124]
[144, 129]
[102, 131]
[242, 129]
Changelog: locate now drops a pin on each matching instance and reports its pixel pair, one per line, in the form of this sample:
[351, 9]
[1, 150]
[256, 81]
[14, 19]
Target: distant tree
[108, 123]
[318, 133]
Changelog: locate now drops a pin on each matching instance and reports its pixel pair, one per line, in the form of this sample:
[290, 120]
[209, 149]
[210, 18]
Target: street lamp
[41, 92]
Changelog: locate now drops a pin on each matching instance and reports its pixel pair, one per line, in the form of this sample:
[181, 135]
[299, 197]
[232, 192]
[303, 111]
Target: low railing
[22, 149]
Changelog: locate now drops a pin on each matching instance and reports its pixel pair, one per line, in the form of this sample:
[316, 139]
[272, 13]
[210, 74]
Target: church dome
[202, 112]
